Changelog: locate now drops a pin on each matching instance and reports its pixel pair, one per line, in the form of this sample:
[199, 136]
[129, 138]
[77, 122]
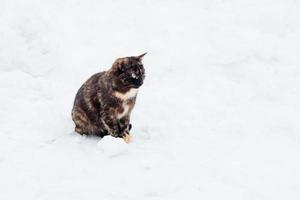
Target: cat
[103, 104]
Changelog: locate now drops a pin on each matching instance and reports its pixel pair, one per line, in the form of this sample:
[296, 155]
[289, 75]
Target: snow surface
[217, 118]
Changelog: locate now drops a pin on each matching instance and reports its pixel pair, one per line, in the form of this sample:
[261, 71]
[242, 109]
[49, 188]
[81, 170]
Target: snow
[217, 117]
[113, 146]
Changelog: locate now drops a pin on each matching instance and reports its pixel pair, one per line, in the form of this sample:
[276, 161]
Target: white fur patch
[125, 111]
[128, 95]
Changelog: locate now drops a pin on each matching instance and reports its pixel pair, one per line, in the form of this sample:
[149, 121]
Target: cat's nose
[138, 82]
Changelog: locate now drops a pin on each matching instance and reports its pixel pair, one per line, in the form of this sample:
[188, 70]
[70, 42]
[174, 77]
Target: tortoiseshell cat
[104, 102]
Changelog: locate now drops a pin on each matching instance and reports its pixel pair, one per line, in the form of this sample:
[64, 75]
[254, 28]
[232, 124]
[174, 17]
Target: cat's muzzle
[137, 82]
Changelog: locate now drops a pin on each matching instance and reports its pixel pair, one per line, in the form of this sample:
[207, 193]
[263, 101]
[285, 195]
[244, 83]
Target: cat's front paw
[127, 137]
[115, 132]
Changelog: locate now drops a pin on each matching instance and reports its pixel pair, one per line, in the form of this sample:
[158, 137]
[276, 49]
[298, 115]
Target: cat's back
[94, 80]
[89, 89]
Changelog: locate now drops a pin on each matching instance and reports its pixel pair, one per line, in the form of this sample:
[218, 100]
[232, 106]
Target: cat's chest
[126, 102]
[127, 95]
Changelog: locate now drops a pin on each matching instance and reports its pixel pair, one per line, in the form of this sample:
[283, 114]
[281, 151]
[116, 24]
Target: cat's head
[129, 72]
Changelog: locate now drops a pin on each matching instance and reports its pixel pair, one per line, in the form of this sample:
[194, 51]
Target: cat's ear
[120, 68]
[118, 65]
[140, 57]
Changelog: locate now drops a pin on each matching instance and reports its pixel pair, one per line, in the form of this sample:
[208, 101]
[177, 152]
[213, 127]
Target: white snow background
[217, 118]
